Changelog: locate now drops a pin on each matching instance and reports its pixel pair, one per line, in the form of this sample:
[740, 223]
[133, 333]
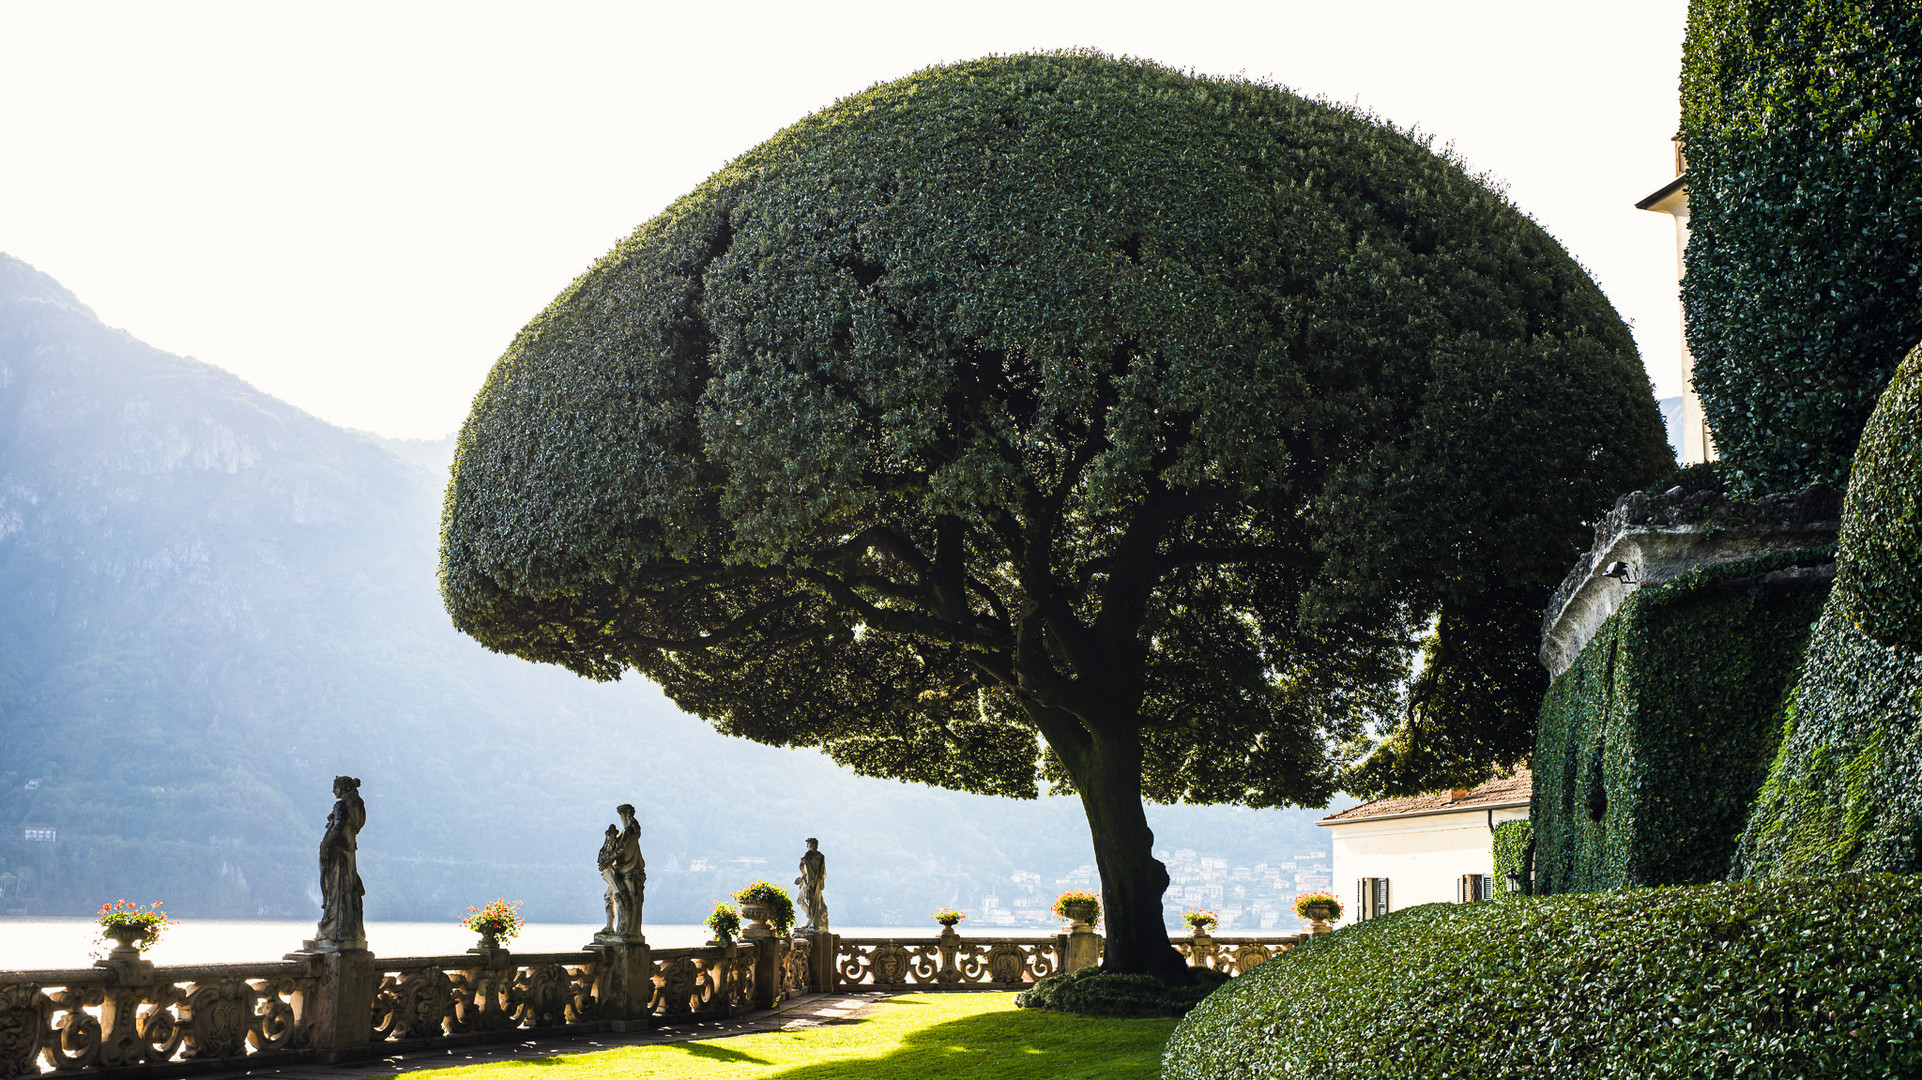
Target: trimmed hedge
[1800, 121]
[1513, 847]
[1654, 742]
[1098, 992]
[1845, 793]
[1879, 575]
[1789, 979]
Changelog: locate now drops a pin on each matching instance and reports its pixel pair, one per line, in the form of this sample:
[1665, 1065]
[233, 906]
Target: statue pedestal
[343, 1007]
[624, 983]
[821, 957]
[331, 945]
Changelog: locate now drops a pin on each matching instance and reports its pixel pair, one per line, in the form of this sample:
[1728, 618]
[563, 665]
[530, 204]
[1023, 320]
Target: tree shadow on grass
[1010, 1045]
[705, 1051]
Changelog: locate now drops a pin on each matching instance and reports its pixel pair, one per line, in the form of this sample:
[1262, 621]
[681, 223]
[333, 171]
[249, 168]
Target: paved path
[812, 1010]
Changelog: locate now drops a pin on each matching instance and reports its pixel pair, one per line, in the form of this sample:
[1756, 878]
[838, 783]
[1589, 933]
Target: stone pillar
[821, 966]
[768, 957]
[950, 944]
[120, 1042]
[624, 984]
[343, 1006]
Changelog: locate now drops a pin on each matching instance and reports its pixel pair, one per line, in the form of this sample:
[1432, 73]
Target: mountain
[212, 602]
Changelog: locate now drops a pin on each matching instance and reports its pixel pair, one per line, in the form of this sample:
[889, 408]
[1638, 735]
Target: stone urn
[1318, 916]
[1080, 917]
[756, 914]
[489, 949]
[128, 940]
[124, 958]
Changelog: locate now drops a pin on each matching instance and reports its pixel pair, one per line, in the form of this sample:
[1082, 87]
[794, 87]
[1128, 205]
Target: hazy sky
[354, 206]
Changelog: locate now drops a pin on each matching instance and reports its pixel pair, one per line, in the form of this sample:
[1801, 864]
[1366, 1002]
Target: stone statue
[341, 890]
[625, 872]
[813, 879]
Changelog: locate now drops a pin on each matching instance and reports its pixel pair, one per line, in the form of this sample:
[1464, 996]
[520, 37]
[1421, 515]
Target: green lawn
[978, 1035]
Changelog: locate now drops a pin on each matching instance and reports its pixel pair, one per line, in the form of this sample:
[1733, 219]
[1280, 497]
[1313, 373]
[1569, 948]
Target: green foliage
[1802, 979]
[1878, 577]
[1799, 119]
[724, 921]
[1064, 393]
[780, 904]
[1655, 741]
[1099, 992]
[1698, 476]
[1845, 792]
[1511, 846]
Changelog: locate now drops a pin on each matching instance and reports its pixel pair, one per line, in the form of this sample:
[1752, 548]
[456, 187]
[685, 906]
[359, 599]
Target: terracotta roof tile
[1501, 790]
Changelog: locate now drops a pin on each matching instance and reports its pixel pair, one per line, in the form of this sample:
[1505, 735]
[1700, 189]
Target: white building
[1672, 199]
[1396, 853]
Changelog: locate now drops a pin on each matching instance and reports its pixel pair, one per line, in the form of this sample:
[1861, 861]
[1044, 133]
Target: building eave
[1662, 194]
[1333, 820]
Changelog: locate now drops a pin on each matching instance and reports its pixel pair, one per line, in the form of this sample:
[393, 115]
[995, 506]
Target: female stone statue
[340, 886]
[813, 879]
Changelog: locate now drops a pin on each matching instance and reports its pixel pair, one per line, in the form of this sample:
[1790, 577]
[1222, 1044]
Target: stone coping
[1663, 536]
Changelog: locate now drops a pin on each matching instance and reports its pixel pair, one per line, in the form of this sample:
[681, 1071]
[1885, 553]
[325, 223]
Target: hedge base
[1101, 993]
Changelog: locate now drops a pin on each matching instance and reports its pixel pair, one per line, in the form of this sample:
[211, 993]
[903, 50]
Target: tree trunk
[1108, 775]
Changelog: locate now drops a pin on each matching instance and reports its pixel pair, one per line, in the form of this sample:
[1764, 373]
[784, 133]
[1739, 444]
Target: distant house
[1689, 430]
[1396, 853]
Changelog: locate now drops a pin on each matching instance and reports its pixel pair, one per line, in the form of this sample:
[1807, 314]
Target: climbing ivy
[1511, 849]
[1653, 743]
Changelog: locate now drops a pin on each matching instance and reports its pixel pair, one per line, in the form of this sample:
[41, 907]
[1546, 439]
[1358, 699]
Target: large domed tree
[1060, 419]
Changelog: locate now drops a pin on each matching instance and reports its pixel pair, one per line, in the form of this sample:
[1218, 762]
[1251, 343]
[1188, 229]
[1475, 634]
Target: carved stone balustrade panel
[26, 1025]
[796, 964]
[218, 1017]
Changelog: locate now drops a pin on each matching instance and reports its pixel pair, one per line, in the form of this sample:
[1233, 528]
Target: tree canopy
[1069, 420]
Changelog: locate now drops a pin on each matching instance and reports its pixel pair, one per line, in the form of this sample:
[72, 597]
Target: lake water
[69, 942]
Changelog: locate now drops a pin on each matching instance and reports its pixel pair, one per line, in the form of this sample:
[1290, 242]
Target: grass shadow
[1012, 1044]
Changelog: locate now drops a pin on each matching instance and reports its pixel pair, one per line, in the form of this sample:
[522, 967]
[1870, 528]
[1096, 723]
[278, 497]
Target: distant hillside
[212, 602]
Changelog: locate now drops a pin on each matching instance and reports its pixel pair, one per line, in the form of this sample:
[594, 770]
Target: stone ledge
[1663, 536]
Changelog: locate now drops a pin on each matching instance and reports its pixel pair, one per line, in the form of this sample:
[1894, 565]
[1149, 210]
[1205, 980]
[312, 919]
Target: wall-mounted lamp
[1620, 571]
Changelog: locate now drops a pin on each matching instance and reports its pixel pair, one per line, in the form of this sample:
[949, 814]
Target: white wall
[1422, 857]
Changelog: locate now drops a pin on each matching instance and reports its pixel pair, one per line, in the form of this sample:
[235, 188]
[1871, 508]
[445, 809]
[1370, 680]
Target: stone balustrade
[129, 1016]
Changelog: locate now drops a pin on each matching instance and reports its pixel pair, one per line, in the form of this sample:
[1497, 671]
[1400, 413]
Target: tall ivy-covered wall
[1800, 120]
[1845, 794]
[1654, 742]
